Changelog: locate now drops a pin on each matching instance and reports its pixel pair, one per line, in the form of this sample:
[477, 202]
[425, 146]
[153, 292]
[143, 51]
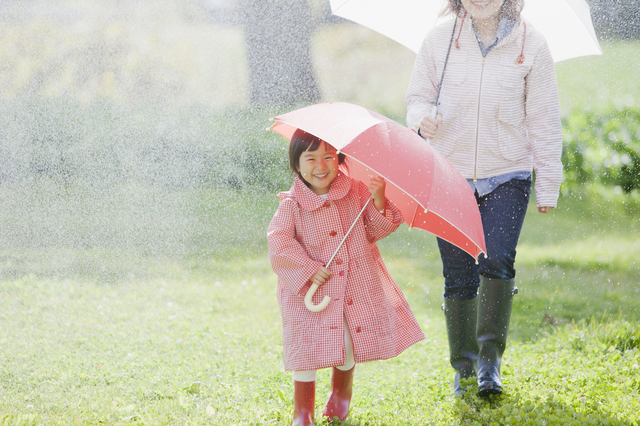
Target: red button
[358, 329]
[327, 204]
[333, 233]
[349, 302]
[338, 261]
[341, 273]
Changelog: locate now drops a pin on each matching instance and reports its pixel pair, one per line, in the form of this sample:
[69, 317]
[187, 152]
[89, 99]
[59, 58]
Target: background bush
[104, 143]
[603, 148]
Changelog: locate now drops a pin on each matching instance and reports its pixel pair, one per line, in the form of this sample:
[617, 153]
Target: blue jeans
[502, 212]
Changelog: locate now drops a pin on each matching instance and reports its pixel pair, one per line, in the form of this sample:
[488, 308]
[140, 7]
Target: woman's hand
[376, 188]
[321, 275]
[544, 209]
[429, 125]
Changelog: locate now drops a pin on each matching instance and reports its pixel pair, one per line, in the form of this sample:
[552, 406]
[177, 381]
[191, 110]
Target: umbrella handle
[434, 112]
[309, 304]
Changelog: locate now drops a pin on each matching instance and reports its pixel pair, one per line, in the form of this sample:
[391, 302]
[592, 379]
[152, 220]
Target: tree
[278, 36]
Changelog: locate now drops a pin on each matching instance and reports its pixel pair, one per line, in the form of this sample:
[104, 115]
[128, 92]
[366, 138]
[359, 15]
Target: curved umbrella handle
[309, 304]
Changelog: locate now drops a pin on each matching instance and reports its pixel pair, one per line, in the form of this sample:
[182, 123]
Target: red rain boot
[340, 396]
[304, 401]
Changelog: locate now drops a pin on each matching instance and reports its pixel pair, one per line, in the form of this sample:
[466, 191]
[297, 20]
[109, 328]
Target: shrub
[104, 143]
[603, 149]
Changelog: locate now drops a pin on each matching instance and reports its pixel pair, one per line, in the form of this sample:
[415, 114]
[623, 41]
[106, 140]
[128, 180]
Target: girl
[368, 317]
[500, 119]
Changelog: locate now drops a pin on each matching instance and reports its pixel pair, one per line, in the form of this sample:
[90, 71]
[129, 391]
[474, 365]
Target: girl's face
[483, 10]
[319, 168]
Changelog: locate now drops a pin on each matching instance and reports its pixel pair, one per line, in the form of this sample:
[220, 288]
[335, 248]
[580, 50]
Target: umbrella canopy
[431, 194]
[565, 24]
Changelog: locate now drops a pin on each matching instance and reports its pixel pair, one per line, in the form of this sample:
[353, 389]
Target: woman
[499, 120]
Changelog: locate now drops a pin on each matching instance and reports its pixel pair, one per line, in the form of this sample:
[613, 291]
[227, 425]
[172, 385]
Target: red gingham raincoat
[302, 236]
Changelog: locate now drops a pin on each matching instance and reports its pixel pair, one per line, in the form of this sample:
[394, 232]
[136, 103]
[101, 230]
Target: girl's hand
[429, 125]
[544, 209]
[376, 188]
[321, 275]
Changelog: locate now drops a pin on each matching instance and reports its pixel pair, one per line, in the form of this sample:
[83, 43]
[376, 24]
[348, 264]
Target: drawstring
[460, 32]
[520, 59]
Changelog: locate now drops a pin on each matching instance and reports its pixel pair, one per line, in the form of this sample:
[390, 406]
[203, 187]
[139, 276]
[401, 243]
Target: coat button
[341, 273]
[327, 204]
[338, 261]
[358, 329]
[333, 233]
[349, 302]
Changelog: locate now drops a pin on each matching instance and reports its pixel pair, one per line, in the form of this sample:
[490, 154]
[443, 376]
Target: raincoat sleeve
[423, 86]
[289, 259]
[544, 127]
[378, 226]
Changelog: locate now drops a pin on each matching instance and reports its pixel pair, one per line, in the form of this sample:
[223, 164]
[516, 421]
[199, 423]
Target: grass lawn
[115, 311]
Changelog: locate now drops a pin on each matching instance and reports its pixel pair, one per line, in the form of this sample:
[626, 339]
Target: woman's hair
[510, 8]
[302, 141]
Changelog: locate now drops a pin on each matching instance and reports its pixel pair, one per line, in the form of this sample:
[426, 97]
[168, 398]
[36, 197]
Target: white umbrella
[565, 24]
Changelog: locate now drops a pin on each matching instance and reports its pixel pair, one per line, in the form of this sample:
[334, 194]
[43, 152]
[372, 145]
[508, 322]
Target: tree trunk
[277, 36]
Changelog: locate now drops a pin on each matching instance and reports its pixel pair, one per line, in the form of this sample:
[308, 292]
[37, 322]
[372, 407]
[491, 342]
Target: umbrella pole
[434, 110]
[415, 213]
[307, 299]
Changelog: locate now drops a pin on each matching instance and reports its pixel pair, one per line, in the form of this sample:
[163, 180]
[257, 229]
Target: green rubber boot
[461, 315]
[495, 300]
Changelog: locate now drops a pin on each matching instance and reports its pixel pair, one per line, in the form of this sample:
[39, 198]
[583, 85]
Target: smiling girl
[368, 317]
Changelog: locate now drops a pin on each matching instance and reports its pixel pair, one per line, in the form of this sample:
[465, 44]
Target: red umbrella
[431, 194]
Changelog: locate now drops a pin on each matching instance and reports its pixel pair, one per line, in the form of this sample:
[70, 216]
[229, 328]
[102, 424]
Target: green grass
[117, 311]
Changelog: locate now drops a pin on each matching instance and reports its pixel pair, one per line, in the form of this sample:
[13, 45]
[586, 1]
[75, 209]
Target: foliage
[104, 143]
[91, 50]
[198, 147]
[603, 148]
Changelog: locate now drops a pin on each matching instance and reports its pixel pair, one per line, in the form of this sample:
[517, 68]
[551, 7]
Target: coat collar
[516, 33]
[310, 201]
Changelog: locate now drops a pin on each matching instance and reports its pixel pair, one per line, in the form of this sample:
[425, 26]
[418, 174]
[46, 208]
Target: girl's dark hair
[302, 141]
[510, 8]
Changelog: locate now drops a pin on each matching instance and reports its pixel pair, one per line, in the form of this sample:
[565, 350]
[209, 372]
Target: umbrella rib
[415, 213]
[418, 203]
[468, 237]
[339, 7]
[389, 180]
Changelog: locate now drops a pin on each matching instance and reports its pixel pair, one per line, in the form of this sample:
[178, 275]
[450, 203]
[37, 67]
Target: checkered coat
[302, 236]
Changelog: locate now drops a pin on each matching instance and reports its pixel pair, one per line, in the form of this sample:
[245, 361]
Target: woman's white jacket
[499, 116]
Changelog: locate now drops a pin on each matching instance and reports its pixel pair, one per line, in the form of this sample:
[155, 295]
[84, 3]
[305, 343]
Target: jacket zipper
[475, 162]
